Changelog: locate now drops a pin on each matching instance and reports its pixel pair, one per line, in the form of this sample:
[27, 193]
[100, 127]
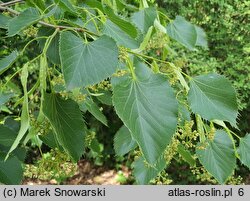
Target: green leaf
[183, 32]
[95, 111]
[144, 173]
[50, 140]
[186, 33]
[4, 97]
[96, 147]
[244, 150]
[159, 26]
[12, 124]
[87, 63]
[213, 97]
[25, 19]
[148, 108]
[187, 156]
[36, 3]
[94, 4]
[184, 114]
[124, 25]
[67, 6]
[66, 120]
[14, 87]
[105, 98]
[43, 65]
[53, 49]
[123, 141]
[11, 171]
[25, 111]
[218, 157]
[20, 153]
[145, 41]
[123, 39]
[6, 62]
[7, 136]
[120, 5]
[201, 37]
[144, 19]
[4, 20]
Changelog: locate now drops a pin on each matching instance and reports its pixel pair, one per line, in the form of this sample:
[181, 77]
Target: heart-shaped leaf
[148, 107]
[213, 97]
[87, 63]
[218, 157]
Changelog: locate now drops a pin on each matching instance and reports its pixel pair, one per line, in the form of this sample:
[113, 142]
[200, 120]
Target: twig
[60, 27]
[10, 3]
[10, 10]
